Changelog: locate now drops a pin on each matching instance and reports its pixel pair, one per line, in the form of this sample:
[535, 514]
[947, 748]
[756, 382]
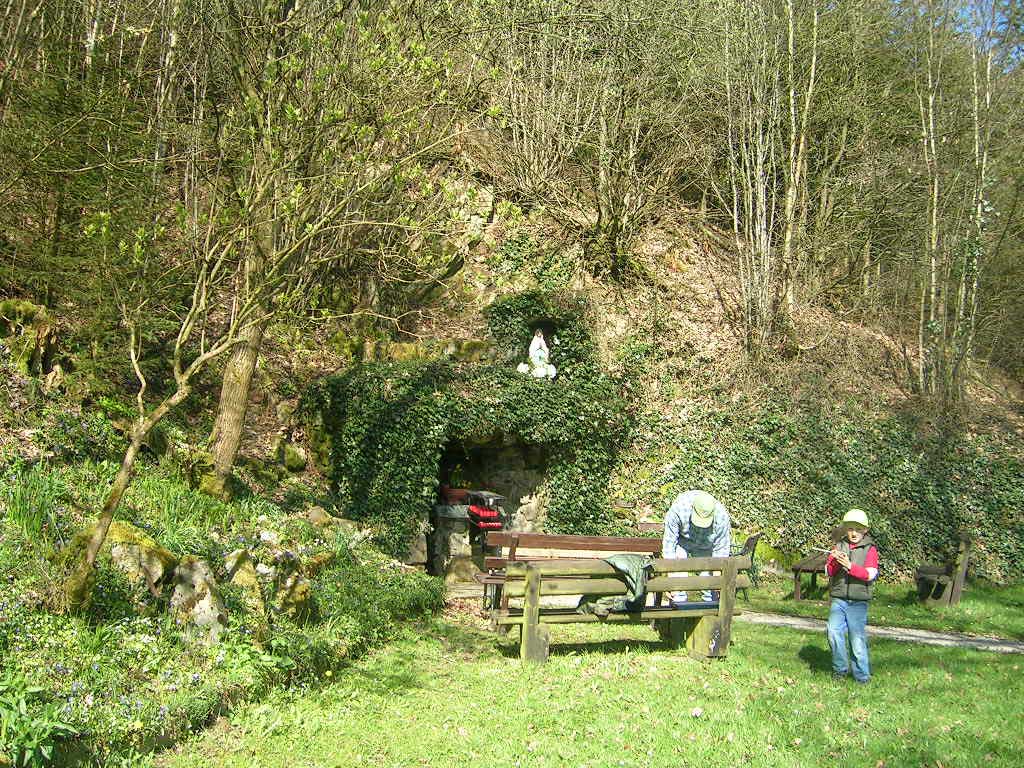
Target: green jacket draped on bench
[634, 570]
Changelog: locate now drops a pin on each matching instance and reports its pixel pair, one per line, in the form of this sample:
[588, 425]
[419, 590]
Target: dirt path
[924, 636]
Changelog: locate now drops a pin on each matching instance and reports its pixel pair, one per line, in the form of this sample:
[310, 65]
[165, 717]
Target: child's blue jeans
[849, 619]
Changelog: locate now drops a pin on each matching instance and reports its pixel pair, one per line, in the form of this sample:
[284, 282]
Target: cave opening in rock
[503, 465]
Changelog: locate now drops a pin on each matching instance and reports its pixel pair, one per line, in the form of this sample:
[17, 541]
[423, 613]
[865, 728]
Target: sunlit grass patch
[610, 696]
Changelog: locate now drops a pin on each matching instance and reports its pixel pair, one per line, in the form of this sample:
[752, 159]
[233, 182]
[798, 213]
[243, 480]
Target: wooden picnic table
[812, 564]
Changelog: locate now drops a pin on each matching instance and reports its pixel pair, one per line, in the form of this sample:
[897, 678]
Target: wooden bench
[703, 627]
[942, 584]
[813, 564]
[503, 548]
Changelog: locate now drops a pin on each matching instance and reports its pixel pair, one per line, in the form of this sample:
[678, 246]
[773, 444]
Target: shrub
[30, 726]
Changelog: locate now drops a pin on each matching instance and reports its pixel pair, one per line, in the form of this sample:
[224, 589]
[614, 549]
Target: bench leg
[674, 632]
[796, 585]
[933, 592]
[705, 641]
[535, 638]
[711, 636]
[534, 643]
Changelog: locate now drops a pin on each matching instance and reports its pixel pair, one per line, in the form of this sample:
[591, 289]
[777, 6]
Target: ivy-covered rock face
[792, 471]
[513, 320]
[385, 425]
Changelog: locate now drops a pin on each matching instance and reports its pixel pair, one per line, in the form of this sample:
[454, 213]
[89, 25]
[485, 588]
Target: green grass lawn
[611, 696]
[983, 609]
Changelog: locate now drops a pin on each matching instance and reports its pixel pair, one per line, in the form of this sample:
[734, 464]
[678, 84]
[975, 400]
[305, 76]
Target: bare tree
[753, 56]
[338, 108]
[954, 80]
[585, 121]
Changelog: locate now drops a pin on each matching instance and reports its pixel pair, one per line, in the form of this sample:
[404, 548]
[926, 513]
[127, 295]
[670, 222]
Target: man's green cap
[703, 514]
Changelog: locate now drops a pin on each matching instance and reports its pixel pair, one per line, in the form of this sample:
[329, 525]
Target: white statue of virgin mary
[539, 366]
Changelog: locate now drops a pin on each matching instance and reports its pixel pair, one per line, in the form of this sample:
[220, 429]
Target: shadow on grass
[816, 658]
[463, 640]
[889, 659]
[403, 667]
[510, 649]
[403, 672]
[908, 600]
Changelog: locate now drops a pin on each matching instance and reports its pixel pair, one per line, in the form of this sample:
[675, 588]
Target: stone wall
[506, 467]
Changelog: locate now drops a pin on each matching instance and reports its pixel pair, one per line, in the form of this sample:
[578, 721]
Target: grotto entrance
[503, 465]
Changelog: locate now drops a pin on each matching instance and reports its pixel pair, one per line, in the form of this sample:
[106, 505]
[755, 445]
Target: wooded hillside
[276, 275]
[817, 196]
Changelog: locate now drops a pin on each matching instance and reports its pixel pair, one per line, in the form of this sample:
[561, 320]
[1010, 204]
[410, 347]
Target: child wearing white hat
[852, 567]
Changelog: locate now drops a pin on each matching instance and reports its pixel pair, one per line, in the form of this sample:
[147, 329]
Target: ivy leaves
[388, 423]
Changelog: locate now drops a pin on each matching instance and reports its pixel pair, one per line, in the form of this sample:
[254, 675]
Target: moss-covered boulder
[312, 566]
[196, 601]
[268, 472]
[31, 335]
[319, 517]
[242, 573]
[292, 456]
[130, 549]
[295, 597]
[406, 351]
[137, 554]
[469, 350]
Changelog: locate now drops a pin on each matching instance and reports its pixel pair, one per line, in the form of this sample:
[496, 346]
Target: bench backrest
[596, 577]
[556, 541]
[520, 547]
[748, 546]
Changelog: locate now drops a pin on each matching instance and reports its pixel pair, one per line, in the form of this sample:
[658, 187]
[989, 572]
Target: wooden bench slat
[569, 616]
[600, 567]
[501, 563]
[933, 570]
[553, 585]
[815, 562]
[554, 541]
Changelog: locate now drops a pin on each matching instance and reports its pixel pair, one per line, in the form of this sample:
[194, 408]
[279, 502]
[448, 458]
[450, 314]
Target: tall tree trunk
[234, 402]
